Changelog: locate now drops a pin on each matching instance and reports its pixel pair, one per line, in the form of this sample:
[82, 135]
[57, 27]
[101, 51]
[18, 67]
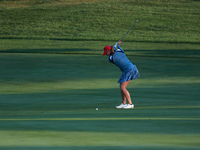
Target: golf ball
[96, 108]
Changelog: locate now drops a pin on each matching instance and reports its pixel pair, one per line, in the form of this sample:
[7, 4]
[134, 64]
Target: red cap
[106, 49]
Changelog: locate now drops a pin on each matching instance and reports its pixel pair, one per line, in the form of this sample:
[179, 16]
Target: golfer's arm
[113, 50]
[118, 43]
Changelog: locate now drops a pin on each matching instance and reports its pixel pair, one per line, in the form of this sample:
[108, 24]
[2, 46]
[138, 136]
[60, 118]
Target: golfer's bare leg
[123, 97]
[125, 93]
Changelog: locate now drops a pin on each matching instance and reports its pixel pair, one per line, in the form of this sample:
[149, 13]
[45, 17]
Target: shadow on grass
[49, 51]
[147, 53]
[167, 53]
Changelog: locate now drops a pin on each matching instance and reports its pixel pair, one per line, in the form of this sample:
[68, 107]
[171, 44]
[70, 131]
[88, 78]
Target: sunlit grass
[40, 87]
[67, 138]
[159, 21]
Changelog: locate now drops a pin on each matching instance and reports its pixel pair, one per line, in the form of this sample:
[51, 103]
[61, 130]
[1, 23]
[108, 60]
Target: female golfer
[129, 71]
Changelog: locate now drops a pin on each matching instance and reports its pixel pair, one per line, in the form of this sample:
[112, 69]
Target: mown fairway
[53, 75]
[48, 101]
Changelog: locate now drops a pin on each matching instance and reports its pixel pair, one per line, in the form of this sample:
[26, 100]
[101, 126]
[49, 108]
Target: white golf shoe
[128, 106]
[121, 106]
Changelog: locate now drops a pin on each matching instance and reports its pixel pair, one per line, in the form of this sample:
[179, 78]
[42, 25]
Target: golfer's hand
[119, 42]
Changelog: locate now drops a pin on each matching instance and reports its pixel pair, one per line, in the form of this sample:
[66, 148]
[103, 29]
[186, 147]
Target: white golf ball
[96, 108]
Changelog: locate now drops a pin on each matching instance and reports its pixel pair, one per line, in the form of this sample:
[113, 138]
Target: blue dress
[129, 70]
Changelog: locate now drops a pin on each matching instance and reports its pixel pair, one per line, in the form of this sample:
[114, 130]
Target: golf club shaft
[129, 30]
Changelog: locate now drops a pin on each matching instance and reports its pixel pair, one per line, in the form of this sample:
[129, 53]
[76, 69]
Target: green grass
[176, 50]
[53, 75]
[48, 101]
[159, 21]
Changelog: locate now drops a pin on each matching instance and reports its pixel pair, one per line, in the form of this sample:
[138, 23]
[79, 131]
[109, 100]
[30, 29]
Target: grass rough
[159, 21]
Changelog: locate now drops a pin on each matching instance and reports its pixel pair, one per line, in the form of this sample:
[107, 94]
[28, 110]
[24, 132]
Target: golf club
[129, 30]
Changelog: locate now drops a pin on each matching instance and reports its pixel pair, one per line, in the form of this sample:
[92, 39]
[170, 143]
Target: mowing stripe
[94, 119]
[167, 107]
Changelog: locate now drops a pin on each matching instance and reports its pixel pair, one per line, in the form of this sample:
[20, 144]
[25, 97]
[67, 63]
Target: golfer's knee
[123, 88]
